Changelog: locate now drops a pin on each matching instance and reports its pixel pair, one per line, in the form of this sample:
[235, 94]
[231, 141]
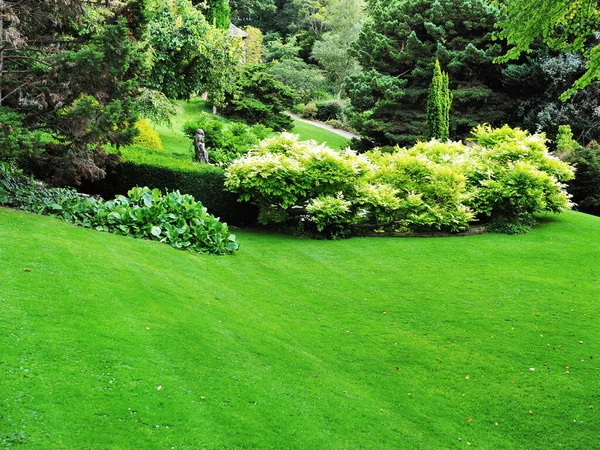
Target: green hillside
[486, 341]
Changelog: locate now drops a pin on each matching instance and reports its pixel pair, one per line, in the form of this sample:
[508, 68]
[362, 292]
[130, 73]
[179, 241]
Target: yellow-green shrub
[503, 179]
[148, 137]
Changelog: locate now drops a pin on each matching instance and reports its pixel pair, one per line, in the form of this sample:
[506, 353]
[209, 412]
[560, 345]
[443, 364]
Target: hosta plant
[174, 218]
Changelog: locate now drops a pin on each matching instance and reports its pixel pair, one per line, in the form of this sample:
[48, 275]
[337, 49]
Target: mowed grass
[374, 343]
[306, 131]
[178, 148]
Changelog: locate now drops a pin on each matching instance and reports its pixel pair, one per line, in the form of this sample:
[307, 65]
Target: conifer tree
[218, 13]
[438, 105]
[397, 47]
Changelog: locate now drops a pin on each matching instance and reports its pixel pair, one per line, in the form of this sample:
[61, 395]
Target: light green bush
[504, 178]
[328, 210]
[310, 111]
[513, 176]
[285, 172]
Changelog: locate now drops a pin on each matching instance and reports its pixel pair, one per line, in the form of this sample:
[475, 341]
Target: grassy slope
[307, 131]
[292, 343]
[177, 148]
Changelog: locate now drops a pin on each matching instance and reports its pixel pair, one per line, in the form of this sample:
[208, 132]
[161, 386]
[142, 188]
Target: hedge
[205, 183]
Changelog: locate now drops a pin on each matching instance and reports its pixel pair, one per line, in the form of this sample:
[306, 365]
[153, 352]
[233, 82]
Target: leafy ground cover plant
[174, 218]
[503, 178]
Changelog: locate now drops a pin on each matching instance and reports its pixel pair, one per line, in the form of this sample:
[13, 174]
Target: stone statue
[199, 147]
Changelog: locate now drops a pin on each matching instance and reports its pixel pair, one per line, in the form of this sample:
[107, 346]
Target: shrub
[310, 111]
[431, 186]
[330, 110]
[148, 137]
[513, 176]
[175, 219]
[585, 188]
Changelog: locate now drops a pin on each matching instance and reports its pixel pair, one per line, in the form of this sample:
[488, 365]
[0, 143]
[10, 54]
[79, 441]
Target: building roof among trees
[235, 31]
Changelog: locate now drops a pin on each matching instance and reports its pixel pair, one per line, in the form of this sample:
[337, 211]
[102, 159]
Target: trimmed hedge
[205, 183]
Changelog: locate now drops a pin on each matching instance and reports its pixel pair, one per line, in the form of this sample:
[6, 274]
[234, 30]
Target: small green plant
[564, 139]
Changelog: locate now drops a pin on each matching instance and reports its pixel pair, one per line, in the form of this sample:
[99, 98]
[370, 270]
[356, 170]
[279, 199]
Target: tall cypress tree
[438, 105]
[218, 13]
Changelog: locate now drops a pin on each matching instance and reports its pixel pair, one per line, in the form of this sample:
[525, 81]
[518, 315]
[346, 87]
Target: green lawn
[179, 147]
[375, 343]
[307, 131]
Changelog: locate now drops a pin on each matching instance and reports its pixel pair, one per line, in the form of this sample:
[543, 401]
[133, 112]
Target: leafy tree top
[565, 25]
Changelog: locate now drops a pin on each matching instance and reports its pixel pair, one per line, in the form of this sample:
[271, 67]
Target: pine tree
[398, 46]
[75, 83]
[438, 105]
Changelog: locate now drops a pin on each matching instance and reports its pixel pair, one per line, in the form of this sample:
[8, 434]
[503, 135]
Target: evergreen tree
[74, 72]
[438, 105]
[397, 48]
[218, 13]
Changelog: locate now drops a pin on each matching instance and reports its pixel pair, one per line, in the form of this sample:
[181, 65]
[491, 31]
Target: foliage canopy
[564, 25]
[397, 48]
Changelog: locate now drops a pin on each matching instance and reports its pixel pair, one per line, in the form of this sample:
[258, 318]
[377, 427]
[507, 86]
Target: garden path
[346, 134]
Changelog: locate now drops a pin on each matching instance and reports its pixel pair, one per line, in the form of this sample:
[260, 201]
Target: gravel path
[343, 133]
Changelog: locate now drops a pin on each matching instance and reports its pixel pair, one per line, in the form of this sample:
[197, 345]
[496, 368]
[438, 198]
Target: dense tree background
[76, 74]
[71, 72]
[564, 25]
[397, 48]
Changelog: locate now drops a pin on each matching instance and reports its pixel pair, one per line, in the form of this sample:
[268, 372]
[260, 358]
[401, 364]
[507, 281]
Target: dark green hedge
[206, 185]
